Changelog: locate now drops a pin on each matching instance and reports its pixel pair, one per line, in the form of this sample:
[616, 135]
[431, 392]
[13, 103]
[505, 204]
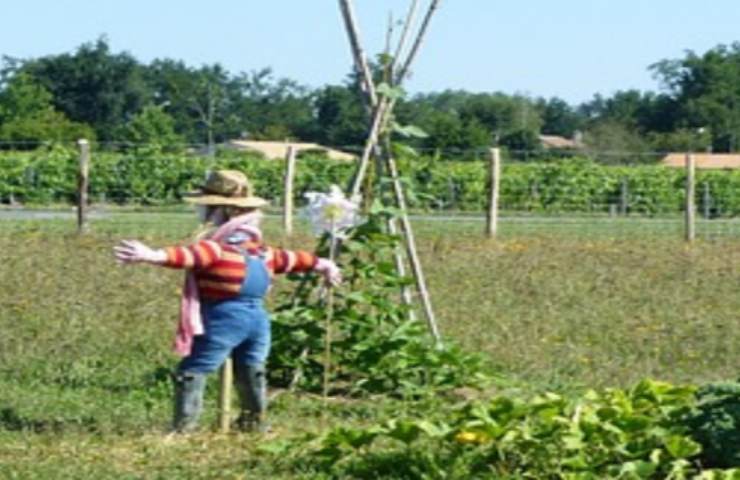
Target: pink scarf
[191, 323]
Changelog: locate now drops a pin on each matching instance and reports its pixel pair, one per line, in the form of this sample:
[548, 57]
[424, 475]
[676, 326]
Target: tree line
[112, 97]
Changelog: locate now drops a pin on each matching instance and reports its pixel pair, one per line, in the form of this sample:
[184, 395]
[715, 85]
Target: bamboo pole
[353, 32]
[417, 42]
[290, 156]
[494, 176]
[384, 106]
[327, 325]
[401, 269]
[411, 252]
[82, 185]
[226, 380]
[382, 109]
[406, 29]
[690, 214]
[379, 118]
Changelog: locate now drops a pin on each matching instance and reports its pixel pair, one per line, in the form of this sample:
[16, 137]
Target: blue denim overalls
[238, 324]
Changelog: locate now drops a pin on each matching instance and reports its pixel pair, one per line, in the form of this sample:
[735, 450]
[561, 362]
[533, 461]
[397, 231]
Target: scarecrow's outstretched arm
[291, 261]
[287, 261]
[201, 254]
[133, 251]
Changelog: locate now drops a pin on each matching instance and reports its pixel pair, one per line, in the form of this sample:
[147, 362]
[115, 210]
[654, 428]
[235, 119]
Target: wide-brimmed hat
[226, 187]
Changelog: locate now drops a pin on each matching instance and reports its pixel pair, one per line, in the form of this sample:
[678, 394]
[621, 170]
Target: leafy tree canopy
[124, 99]
[28, 117]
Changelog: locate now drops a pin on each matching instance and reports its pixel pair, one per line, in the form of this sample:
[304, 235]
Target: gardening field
[85, 344]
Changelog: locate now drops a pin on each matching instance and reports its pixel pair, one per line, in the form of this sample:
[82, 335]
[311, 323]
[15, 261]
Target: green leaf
[681, 447]
[405, 431]
[409, 131]
[393, 93]
[573, 441]
[638, 469]
[433, 430]
[402, 149]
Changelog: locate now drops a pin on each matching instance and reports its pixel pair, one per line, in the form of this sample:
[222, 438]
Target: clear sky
[571, 49]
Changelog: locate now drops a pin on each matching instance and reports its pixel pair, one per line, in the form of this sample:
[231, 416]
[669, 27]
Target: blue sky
[571, 49]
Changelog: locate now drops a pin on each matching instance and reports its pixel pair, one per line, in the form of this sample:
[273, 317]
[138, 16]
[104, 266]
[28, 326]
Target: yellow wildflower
[466, 437]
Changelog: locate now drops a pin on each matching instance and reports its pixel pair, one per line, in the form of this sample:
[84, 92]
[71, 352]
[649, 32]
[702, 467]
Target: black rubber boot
[251, 383]
[189, 389]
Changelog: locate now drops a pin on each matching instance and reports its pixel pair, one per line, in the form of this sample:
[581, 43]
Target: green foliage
[614, 143]
[340, 117]
[704, 89]
[27, 116]
[93, 85]
[376, 348]
[613, 433]
[152, 131]
[104, 89]
[23, 98]
[522, 142]
[559, 118]
[715, 424]
[681, 140]
[575, 185]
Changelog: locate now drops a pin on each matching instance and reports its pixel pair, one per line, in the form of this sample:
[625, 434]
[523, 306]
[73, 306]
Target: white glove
[133, 251]
[329, 270]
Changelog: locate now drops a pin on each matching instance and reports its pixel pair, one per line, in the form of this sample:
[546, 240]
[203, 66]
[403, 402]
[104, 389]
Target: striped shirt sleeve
[288, 261]
[199, 255]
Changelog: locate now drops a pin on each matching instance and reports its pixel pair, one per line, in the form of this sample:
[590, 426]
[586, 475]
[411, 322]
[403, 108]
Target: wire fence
[537, 198]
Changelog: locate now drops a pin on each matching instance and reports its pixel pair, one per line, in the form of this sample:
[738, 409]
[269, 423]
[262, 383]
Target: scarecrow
[229, 270]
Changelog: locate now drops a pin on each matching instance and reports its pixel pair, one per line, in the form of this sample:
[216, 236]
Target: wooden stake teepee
[378, 140]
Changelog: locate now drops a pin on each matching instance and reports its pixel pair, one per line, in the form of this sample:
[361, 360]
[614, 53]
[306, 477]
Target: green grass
[84, 344]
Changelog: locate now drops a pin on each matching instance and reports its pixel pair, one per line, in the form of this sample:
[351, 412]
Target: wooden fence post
[290, 155]
[706, 201]
[624, 197]
[690, 193]
[226, 378]
[82, 185]
[494, 179]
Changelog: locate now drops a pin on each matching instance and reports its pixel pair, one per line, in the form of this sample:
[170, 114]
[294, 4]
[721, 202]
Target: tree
[27, 116]
[209, 100]
[340, 116]
[707, 91]
[275, 108]
[681, 140]
[612, 142]
[559, 118]
[153, 128]
[92, 86]
[522, 143]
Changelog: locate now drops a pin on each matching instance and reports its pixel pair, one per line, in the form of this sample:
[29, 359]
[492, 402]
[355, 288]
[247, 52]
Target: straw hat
[226, 187]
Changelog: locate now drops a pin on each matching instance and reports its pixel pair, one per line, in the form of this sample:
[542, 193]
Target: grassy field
[84, 344]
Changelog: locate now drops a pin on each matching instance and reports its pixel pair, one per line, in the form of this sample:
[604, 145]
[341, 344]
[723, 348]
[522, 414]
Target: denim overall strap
[257, 280]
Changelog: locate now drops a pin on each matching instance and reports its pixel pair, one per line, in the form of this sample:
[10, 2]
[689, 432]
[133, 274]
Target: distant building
[278, 150]
[703, 160]
[556, 142]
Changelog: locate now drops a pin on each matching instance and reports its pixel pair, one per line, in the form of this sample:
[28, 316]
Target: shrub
[715, 424]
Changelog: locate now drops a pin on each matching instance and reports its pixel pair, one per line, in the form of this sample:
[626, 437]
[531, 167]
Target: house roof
[703, 160]
[280, 149]
[556, 141]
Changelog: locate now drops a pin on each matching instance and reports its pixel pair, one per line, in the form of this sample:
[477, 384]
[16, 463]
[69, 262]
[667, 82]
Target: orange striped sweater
[220, 268]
